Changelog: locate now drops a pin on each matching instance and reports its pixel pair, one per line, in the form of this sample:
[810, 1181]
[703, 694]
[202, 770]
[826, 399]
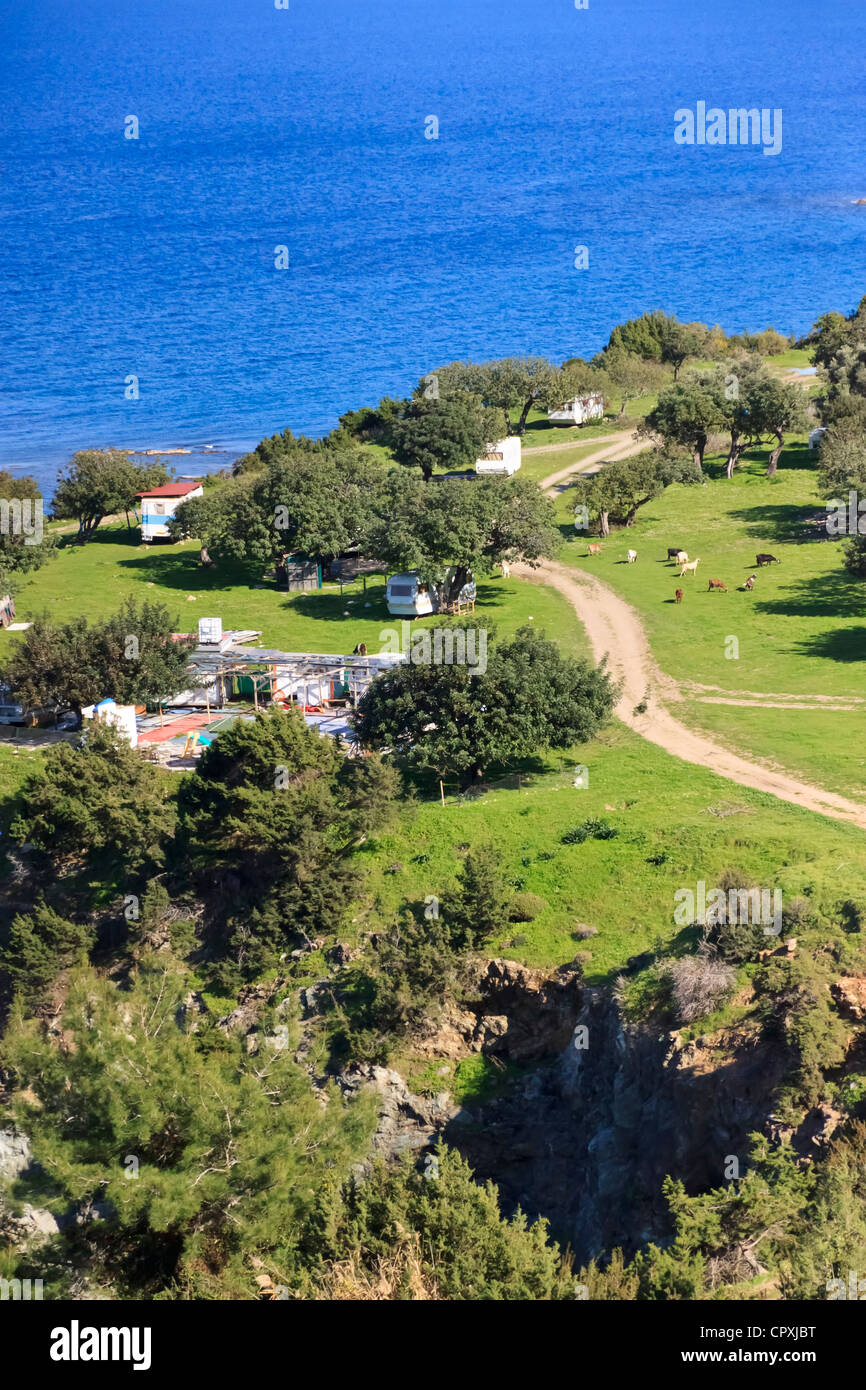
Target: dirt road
[615, 630]
[618, 446]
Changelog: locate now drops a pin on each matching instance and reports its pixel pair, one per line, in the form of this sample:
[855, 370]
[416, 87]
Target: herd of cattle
[677, 556]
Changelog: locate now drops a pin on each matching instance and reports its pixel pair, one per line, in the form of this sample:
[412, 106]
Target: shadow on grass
[782, 522]
[332, 608]
[845, 644]
[109, 535]
[182, 569]
[825, 596]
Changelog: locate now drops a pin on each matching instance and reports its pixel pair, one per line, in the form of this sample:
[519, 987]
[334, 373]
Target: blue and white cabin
[160, 503]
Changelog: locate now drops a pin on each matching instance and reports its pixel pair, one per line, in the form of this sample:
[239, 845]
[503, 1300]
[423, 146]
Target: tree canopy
[461, 526]
[615, 494]
[131, 657]
[448, 432]
[268, 824]
[451, 719]
[100, 482]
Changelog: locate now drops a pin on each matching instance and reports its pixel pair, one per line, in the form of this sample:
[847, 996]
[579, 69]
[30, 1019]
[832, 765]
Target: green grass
[794, 357]
[92, 581]
[540, 466]
[471, 1080]
[696, 823]
[800, 632]
[15, 764]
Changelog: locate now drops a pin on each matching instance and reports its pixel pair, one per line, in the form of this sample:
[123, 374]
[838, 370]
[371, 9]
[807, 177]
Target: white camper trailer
[407, 597]
[501, 457]
[579, 409]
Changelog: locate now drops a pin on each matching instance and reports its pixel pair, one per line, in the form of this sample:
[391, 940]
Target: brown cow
[717, 584]
[766, 560]
[594, 550]
[679, 595]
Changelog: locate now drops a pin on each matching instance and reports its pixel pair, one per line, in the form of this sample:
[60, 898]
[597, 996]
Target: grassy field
[800, 632]
[676, 824]
[92, 581]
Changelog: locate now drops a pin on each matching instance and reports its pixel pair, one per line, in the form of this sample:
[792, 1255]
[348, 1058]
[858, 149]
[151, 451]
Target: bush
[698, 983]
[480, 908]
[735, 941]
[852, 914]
[798, 915]
[526, 906]
[589, 830]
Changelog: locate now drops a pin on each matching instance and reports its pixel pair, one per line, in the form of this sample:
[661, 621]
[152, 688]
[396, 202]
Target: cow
[681, 557]
[673, 551]
[679, 595]
[717, 584]
[750, 582]
[360, 649]
[631, 556]
[506, 569]
[766, 560]
[594, 550]
[690, 568]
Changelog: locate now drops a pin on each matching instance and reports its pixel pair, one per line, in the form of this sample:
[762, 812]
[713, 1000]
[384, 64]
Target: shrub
[526, 906]
[852, 914]
[797, 915]
[591, 829]
[698, 983]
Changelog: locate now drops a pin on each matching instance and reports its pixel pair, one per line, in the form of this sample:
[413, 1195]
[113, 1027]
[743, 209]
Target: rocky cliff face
[587, 1138]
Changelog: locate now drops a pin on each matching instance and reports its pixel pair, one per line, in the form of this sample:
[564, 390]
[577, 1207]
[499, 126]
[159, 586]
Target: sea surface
[306, 128]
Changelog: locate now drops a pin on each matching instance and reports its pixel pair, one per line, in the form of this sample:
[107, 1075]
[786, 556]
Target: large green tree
[131, 657]
[100, 803]
[460, 527]
[101, 482]
[510, 383]
[24, 546]
[757, 406]
[454, 719]
[269, 822]
[686, 414]
[448, 432]
[312, 501]
[614, 495]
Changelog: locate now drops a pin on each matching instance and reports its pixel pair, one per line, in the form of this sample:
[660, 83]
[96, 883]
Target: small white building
[501, 457]
[160, 503]
[121, 716]
[407, 597]
[579, 409]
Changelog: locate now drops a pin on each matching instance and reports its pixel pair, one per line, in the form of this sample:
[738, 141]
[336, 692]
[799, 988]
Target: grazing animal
[717, 584]
[631, 556]
[506, 569]
[673, 551]
[750, 582]
[679, 595]
[766, 560]
[681, 557]
[690, 568]
[594, 550]
[360, 650]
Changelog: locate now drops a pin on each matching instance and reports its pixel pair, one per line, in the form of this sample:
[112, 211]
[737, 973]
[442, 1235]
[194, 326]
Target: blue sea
[306, 127]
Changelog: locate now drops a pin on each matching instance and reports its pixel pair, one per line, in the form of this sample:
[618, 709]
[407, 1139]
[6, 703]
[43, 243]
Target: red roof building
[177, 489]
